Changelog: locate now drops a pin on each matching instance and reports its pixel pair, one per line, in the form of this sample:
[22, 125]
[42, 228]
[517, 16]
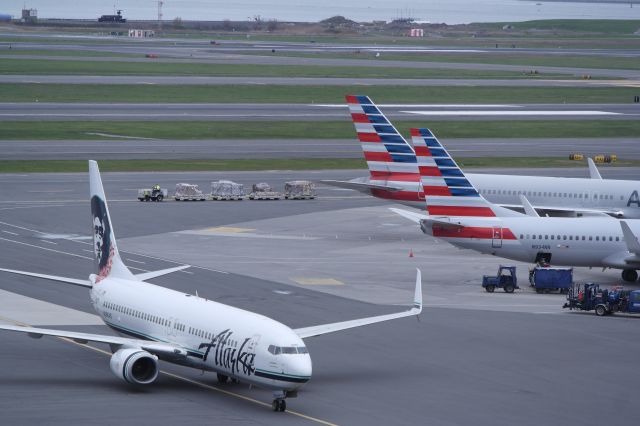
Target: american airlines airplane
[459, 214]
[185, 329]
[393, 175]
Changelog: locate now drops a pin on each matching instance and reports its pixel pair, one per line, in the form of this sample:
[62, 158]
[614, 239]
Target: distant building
[416, 32]
[29, 15]
[141, 33]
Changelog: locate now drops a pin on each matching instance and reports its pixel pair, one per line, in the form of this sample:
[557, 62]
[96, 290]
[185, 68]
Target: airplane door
[496, 239]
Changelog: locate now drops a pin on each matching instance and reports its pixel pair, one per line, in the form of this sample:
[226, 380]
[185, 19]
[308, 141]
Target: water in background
[434, 11]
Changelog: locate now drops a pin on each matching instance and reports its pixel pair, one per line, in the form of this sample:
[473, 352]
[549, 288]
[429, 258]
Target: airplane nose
[301, 368]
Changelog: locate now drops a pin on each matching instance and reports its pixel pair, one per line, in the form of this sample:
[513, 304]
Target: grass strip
[184, 130]
[121, 93]
[79, 67]
[80, 166]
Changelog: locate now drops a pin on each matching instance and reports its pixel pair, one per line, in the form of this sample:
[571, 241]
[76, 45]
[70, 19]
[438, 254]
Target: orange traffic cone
[411, 253]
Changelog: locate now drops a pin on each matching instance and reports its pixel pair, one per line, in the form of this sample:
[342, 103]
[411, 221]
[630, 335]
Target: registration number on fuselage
[540, 247]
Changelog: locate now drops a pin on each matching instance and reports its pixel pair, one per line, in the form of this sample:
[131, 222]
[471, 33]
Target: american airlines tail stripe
[385, 177]
[435, 190]
[377, 156]
[458, 210]
[368, 137]
[429, 171]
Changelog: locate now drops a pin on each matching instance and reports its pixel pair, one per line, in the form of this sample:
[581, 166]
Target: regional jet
[394, 175]
[185, 329]
[458, 213]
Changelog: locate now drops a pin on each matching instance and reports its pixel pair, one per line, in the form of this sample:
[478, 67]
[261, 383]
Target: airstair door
[496, 239]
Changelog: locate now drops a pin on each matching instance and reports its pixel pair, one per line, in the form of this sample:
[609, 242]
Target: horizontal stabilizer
[339, 326]
[630, 238]
[359, 186]
[153, 274]
[412, 216]
[82, 283]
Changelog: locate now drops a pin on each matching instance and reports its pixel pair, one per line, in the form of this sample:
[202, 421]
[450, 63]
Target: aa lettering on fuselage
[634, 199]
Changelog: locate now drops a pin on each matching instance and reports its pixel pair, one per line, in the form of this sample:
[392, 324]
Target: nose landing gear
[279, 404]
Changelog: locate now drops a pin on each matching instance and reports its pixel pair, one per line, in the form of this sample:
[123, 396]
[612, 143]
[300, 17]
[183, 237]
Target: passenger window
[617, 238]
[597, 238]
[564, 237]
[534, 237]
[571, 237]
[590, 238]
[583, 238]
[552, 237]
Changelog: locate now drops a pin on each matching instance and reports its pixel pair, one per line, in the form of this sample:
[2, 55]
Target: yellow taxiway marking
[316, 281]
[186, 379]
[227, 229]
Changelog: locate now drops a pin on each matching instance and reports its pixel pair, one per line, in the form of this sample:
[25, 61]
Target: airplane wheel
[283, 405]
[630, 275]
[279, 405]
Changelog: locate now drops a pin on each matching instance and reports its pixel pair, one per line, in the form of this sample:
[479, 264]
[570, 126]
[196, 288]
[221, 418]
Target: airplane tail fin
[447, 191]
[387, 153]
[109, 263]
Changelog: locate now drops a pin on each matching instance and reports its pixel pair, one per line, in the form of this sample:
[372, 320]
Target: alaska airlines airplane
[393, 175]
[185, 329]
[459, 214]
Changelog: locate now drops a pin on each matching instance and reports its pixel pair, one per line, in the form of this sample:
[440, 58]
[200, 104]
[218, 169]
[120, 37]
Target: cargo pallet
[227, 197]
[190, 198]
[265, 196]
[299, 197]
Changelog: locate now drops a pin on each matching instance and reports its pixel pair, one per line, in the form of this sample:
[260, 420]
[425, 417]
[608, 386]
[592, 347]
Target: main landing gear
[222, 378]
[630, 275]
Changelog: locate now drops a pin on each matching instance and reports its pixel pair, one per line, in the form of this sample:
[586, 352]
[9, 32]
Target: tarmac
[470, 352]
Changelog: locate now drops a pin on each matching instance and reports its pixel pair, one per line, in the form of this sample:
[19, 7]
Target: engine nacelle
[134, 366]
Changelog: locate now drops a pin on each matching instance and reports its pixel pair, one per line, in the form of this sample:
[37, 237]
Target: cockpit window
[277, 350]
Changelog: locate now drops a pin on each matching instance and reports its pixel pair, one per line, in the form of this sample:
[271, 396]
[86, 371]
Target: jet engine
[134, 366]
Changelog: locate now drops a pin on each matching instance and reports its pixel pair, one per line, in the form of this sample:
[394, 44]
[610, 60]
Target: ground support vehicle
[545, 279]
[188, 192]
[590, 297]
[299, 190]
[263, 191]
[149, 194]
[226, 190]
[506, 280]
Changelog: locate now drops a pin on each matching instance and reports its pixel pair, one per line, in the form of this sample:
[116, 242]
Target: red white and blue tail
[447, 191]
[388, 155]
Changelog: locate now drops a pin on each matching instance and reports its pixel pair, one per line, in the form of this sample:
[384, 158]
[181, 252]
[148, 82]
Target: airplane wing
[426, 219]
[339, 326]
[74, 281]
[528, 208]
[630, 238]
[359, 186]
[593, 170]
[567, 210]
[158, 348]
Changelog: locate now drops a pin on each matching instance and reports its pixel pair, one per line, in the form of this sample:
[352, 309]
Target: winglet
[593, 170]
[630, 238]
[417, 298]
[528, 208]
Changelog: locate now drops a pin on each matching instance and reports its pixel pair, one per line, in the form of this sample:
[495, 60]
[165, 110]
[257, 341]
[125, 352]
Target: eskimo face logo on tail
[102, 245]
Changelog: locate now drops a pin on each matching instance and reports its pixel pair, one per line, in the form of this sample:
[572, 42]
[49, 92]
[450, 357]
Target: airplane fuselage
[230, 341]
[567, 241]
[616, 196]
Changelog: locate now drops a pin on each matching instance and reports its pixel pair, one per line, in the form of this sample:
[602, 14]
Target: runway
[468, 350]
[41, 111]
[117, 148]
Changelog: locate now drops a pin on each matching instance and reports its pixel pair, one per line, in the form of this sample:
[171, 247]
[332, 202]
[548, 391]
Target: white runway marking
[49, 242]
[135, 261]
[31, 311]
[9, 232]
[425, 105]
[119, 136]
[552, 113]
[45, 248]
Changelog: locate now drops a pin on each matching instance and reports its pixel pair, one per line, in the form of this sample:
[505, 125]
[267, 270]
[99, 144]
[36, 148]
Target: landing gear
[222, 378]
[279, 404]
[630, 275]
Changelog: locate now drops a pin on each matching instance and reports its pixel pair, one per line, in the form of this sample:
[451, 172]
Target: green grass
[80, 166]
[560, 60]
[60, 130]
[10, 92]
[607, 26]
[151, 68]
[17, 51]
